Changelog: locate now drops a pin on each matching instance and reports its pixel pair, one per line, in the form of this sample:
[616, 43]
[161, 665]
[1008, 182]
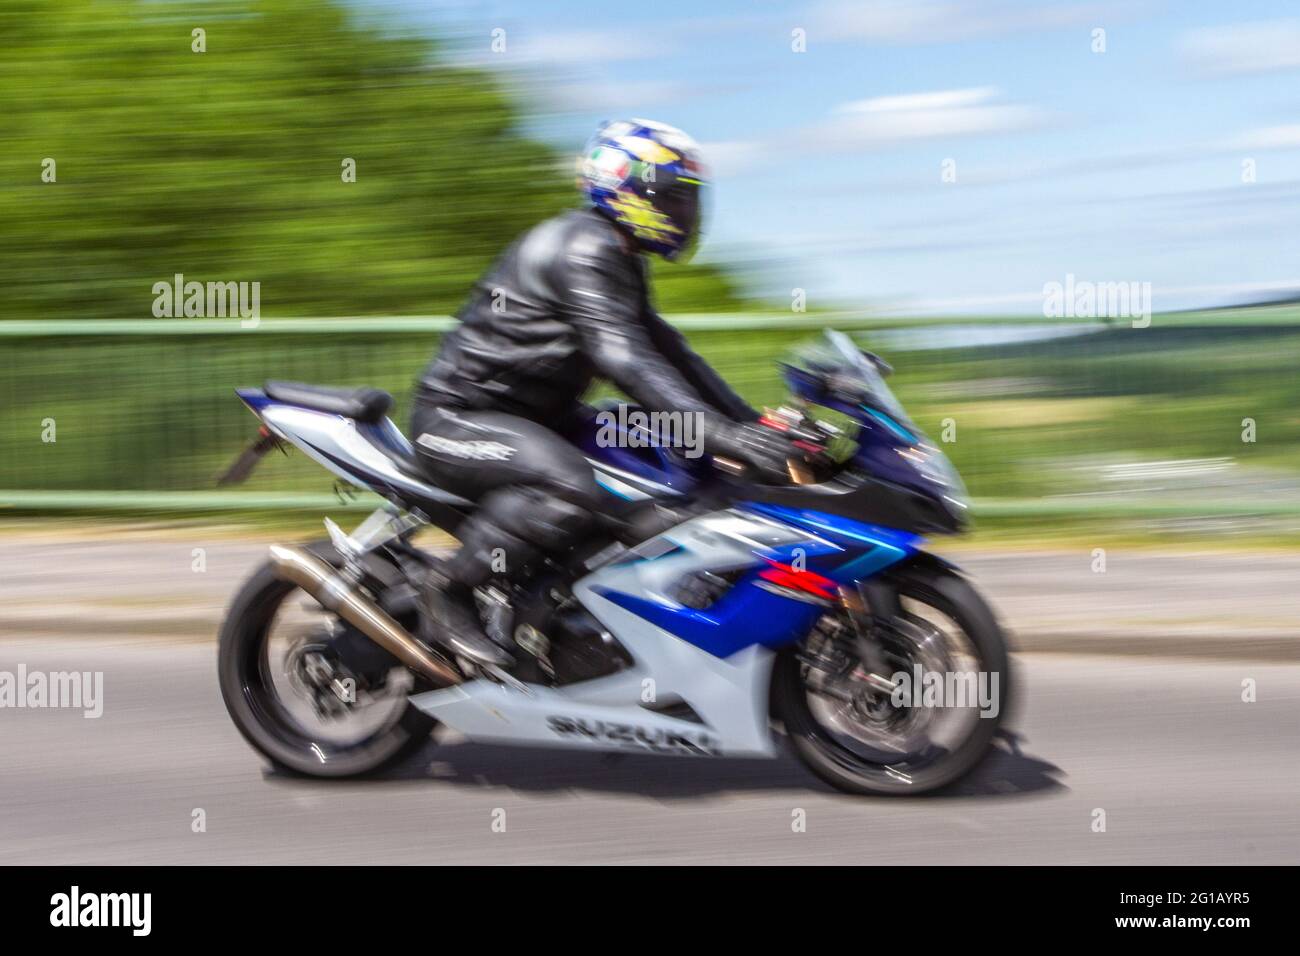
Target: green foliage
[226, 165]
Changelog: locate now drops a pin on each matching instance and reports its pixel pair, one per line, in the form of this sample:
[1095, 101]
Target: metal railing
[140, 415]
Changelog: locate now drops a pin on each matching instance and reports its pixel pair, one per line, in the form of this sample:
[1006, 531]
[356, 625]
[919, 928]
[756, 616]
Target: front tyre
[861, 741]
[281, 679]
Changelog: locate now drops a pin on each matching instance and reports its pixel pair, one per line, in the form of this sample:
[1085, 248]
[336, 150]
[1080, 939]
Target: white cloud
[883, 20]
[924, 21]
[1263, 46]
[574, 48]
[942, 99]
[879, 122]
[1271, 137]
[589, 47]
[887, 120]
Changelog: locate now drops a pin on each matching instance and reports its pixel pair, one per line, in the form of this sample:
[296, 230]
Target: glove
[763, 449]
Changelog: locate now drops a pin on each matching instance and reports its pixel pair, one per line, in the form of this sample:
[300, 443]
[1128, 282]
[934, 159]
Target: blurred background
[917, 173]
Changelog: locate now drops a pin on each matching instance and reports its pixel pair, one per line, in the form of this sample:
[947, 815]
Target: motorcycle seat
[364, 404]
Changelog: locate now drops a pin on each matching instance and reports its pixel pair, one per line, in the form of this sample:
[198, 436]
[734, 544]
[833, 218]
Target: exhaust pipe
[334, 593]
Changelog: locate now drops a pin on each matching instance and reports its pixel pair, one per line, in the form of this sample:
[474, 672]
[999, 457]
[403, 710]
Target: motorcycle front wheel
[863, 741]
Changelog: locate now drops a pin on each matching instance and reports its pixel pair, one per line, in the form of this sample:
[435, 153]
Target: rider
[567, 303]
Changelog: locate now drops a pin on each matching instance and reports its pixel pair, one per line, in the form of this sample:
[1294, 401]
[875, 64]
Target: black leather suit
[567, 303]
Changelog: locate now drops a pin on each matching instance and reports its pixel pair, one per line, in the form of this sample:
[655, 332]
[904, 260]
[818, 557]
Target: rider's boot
[455, 622]
[512, 528]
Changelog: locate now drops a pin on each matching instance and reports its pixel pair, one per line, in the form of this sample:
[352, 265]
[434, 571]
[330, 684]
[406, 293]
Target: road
[1186, 772]
[1233, 606]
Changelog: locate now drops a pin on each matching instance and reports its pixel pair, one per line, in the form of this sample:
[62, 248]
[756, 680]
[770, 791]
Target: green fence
[1041, 417]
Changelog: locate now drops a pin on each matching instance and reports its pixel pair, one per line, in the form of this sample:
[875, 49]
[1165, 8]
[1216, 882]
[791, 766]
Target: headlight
[933, 465]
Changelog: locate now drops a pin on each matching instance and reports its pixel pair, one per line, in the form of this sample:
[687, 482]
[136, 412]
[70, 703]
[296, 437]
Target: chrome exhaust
[335, 594]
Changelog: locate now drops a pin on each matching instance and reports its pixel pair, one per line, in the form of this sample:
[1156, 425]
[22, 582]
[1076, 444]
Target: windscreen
[839, 360]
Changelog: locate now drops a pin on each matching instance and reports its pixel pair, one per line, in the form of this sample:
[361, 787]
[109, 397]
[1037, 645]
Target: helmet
[648, 178]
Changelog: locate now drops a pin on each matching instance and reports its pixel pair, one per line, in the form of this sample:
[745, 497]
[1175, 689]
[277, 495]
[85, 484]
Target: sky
[1170, 156]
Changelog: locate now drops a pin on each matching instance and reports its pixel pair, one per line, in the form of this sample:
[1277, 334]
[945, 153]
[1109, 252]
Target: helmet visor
[682, 203]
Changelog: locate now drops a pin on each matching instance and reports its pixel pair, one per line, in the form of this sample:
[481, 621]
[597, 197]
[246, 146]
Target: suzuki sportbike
[711, 616]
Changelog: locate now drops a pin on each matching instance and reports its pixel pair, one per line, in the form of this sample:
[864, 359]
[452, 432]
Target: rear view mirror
[883, 367]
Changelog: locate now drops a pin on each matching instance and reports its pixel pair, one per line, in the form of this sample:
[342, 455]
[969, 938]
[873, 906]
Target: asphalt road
[1232, 606]
[1186, 772]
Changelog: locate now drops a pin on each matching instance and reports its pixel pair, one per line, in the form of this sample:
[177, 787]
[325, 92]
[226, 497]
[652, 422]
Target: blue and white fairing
[717, 658]
[633, 466]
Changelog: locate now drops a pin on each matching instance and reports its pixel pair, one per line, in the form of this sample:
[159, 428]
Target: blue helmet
[648, 178]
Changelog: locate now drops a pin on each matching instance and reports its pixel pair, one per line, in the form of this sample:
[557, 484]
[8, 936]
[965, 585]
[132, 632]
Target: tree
[228, 164]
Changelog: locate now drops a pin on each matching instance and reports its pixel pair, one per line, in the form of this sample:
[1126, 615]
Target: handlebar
[809, 436]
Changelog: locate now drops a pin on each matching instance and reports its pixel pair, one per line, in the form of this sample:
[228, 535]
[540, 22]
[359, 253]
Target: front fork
[871, 606]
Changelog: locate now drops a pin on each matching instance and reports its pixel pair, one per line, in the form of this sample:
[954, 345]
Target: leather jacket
[565, 304]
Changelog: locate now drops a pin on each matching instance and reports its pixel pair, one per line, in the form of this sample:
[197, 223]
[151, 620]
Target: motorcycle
[711, 616]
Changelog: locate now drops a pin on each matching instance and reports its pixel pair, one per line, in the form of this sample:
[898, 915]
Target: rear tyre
[839, 761]
[254, 688]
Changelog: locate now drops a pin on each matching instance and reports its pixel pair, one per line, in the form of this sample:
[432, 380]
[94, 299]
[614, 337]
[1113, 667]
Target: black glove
[763, 449]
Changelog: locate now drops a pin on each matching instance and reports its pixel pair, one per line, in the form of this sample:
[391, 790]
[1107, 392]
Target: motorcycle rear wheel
[259, 708]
